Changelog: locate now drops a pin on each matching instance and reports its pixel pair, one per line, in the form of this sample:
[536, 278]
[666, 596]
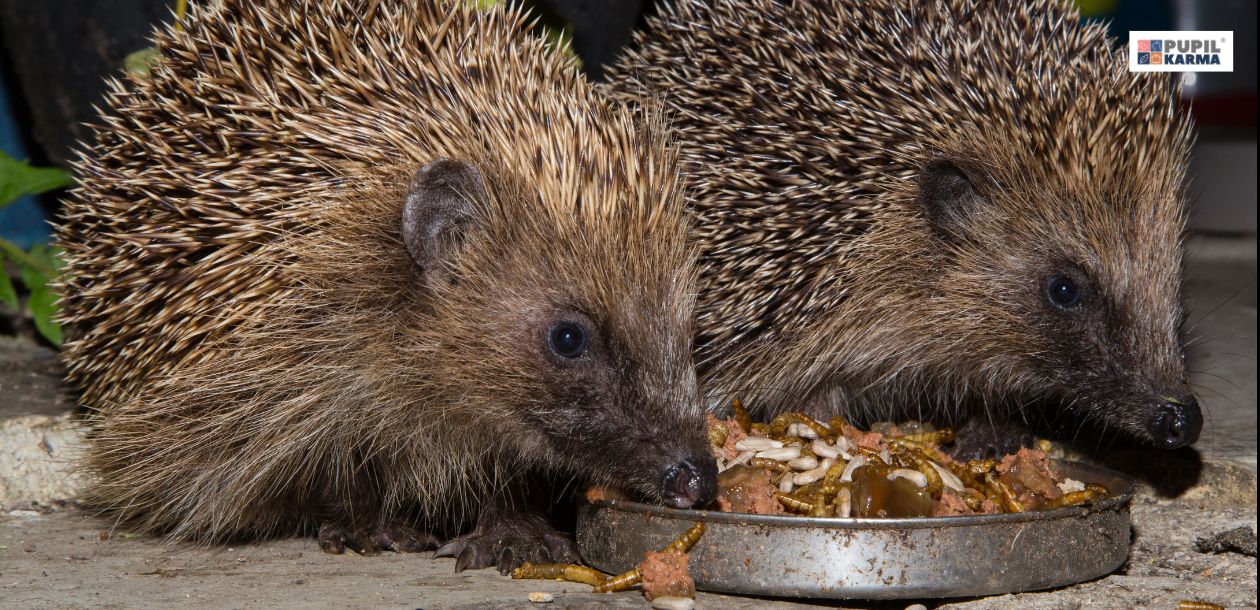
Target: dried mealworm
[792, 504]
[560, 571]
[620, 582]
[741, 415]
[686, 540]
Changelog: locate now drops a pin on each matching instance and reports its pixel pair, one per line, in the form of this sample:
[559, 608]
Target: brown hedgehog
[958, 206]
[281, 326]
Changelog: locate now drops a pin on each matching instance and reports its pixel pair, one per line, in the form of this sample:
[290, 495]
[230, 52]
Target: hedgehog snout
[1176, 422]
[690, 483]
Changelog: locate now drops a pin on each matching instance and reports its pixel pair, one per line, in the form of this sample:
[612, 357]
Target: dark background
[55, 55]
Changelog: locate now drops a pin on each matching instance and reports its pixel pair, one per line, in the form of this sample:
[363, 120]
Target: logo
[1181, 51]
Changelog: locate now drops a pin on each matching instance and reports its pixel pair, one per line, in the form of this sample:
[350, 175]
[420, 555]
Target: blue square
[1144, 58]
[1157, 46]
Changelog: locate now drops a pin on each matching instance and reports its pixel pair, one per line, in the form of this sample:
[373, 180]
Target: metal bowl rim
[1114, 500]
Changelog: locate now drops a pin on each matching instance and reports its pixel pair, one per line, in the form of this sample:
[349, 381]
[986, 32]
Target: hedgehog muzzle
[1177, 422]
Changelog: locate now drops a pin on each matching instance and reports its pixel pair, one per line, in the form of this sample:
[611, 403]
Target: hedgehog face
[1112, 351]
[619, 406]
[1091, 322]
[574, 333]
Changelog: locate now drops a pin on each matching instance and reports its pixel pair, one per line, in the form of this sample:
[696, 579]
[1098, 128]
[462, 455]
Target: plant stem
[20, 257]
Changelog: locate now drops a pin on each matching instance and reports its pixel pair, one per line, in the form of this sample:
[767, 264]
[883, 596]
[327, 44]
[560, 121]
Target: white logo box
[1188, 47]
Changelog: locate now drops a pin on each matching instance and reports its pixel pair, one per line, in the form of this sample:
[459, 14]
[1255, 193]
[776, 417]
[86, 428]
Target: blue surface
[22, 222]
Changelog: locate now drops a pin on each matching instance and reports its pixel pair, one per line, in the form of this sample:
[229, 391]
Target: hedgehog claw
[509, 542]
[473, 557]
[332, 539]
[402, 539]
[451, 549]
[336, 539]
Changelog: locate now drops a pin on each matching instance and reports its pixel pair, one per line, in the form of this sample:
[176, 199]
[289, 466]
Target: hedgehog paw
[509, 541]
[985, 440]
[337, 538]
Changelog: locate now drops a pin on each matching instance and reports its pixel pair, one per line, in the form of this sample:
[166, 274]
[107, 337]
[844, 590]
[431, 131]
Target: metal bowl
[875, 558]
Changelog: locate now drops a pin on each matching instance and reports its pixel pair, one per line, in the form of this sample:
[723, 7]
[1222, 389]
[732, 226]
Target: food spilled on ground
[797, 465]
[662, 574]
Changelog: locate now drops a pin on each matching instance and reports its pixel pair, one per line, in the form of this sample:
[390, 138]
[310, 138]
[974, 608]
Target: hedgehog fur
[884, 188]
[254, 343]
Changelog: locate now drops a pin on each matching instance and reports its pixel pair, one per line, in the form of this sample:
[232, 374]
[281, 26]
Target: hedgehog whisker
[1231, 297]
[1215, 376]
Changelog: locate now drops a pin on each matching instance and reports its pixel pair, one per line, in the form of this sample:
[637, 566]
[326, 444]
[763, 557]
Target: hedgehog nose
[691, 482]
[1177, 423]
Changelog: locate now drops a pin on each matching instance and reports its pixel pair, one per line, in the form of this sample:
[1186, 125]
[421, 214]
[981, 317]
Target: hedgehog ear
[437, 209]
[948, 197]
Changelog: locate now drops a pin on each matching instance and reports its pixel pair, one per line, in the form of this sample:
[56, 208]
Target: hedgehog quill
[960, 210]
[360, 269]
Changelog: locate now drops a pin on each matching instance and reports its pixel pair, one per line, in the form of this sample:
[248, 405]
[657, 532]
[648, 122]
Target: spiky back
[804, 125]
[242, 315]
[256, 108]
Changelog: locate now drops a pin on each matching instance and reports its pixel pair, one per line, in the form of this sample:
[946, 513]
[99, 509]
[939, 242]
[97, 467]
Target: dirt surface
[1164, 566]
[59, 560]
[30, 380]
[1221, 334]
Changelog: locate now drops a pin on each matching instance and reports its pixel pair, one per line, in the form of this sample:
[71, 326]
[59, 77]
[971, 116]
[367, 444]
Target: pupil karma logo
[1172, 51]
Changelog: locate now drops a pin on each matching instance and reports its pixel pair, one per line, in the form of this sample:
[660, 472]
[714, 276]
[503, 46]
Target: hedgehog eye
[567, 339]
[1063, 292]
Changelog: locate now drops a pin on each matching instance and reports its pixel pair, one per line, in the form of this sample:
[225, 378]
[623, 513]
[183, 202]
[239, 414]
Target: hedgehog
[382, 271]
[959, 209]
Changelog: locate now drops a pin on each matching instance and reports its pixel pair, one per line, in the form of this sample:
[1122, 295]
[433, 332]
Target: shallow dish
[875, 558]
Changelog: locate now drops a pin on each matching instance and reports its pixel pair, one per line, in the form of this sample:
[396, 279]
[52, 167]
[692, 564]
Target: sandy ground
[68, 559]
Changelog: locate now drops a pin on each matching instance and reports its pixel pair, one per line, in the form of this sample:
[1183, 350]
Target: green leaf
[43, 306]
[48, 256]
[17, 178]
[560, 38]
[21, 258]
[8, 295]
[39, 268]
[32, 277]
[140, 63]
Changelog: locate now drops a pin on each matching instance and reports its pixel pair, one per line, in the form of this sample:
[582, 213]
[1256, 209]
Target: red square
[1144, 46]
[1157, 58]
